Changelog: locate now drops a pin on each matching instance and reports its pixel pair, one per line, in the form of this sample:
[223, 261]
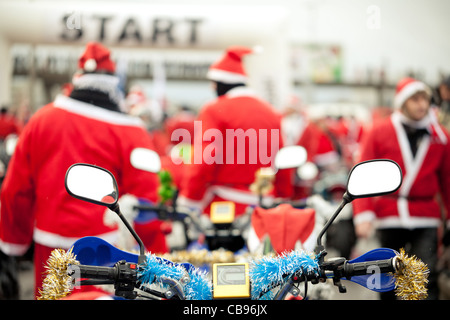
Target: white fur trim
[106, 83]
[365, 216]
[54, 240]
[438, 128]
[241, 92]
[240, 196]
[412, 166]
[253, 242]
[227, 193]
[327, 158]
[408, 91]
[93, 112]
[13, 249]
[186, 204]
[226, 76]
[411, 223]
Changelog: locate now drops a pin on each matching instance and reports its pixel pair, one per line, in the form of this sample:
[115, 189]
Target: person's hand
[364, 229]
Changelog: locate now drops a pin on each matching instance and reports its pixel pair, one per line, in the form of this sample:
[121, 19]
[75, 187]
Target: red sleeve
[444, 180]
[140, 183]
[201, 171]
[17, 198]
[283, 184]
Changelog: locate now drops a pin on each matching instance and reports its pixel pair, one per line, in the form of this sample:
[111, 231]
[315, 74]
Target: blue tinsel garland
[198, 288]
[265, 273]
[268, 272]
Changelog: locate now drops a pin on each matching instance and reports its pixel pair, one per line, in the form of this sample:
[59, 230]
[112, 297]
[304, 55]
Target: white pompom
[90, 65]
[258, 49]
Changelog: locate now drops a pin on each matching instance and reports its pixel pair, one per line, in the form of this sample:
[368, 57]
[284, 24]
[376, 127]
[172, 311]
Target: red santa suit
[8, 124]
[34, 202]
[298, 130]
[222, 177]
[223, 168]
[426, 174]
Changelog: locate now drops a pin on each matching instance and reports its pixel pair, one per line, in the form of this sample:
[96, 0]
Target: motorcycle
[222, 229]
[147, 276]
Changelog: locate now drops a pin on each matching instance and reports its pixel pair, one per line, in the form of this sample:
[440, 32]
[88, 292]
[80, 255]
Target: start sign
[133, 29]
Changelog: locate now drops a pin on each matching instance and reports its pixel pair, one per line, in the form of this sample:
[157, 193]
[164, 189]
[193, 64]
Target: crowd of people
[92, 121]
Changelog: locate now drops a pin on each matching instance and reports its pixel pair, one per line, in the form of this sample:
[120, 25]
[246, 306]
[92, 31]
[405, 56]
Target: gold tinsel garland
[412, 278]
[57, 283]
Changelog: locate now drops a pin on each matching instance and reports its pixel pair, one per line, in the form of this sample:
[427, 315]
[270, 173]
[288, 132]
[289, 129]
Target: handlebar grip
[95, 272]
[362, 268]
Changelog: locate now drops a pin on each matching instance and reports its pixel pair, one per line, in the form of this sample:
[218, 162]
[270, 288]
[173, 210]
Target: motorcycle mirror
[308, 171]
[10, 144]
[373, 178]
[97, 185]
[290, 157]
[145, 159]
[366, 179]
[91, 183]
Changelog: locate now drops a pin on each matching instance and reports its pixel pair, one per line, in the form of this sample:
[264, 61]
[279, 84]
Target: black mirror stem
[319, 247]
[116, 209]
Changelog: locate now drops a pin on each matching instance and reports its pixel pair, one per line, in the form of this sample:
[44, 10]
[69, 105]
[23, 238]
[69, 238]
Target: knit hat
[229, 68]
[96, 73]
[406, 88]
[96, 58]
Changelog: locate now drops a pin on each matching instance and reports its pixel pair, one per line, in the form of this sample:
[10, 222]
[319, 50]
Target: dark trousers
[421, 242]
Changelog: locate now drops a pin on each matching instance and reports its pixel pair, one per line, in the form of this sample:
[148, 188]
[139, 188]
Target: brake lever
[336, 266]
[176, 287]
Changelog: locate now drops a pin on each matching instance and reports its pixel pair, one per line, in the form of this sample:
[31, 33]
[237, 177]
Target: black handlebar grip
[364, 268]
[95, 272]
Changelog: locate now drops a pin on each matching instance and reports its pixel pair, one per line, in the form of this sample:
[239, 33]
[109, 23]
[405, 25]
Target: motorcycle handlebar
[362, 268]
[121, 272]
[96, 272]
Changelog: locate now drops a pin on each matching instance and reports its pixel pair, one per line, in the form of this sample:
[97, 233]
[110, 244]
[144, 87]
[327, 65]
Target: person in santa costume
[298, 129]
[411, 217]
[87, 126]
[218, 172]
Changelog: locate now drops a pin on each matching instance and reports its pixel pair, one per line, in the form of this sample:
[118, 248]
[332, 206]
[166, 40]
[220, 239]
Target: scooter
[146, 276]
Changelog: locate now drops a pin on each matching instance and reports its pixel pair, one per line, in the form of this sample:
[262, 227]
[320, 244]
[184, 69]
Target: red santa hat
[96, 58]
[284, 225]
[229, 68]
[406, 88]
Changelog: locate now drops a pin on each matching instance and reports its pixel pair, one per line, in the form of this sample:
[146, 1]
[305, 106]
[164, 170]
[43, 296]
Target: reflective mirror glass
[145, 159]
[308, 171]
[290, 157]
[10, 144]
[373, 178]
[91, 183]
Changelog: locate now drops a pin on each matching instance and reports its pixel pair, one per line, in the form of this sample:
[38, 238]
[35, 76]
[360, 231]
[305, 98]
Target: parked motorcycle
[222, 229]
[146, 276]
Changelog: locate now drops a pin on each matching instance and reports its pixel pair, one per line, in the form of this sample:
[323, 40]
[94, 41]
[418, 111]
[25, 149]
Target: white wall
[411, 34]
[398, 35]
